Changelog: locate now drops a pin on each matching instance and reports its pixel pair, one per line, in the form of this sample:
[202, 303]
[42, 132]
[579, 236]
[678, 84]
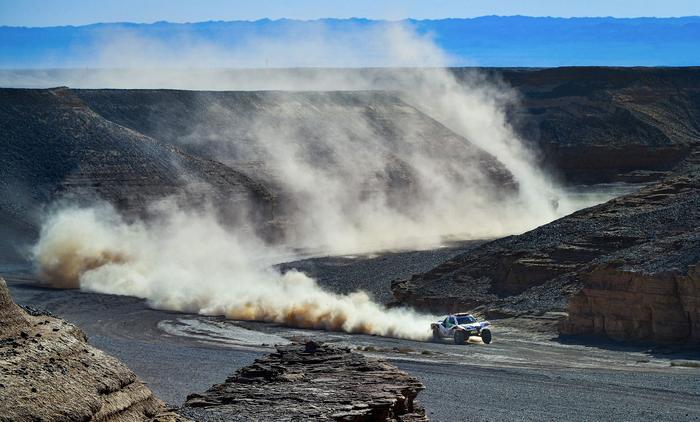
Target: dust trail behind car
[189, 262]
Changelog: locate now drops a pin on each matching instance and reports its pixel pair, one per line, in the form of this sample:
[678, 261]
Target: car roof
[460, 314]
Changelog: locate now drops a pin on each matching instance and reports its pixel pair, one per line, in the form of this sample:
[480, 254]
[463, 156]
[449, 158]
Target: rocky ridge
[603, 124]
[133, 147]
[55, 146]
[311, 381]
[49, 372]
[639, 122]
[246, 130]
[629, 265]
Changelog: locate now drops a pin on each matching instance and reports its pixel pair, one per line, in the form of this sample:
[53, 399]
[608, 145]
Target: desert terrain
[589, 271]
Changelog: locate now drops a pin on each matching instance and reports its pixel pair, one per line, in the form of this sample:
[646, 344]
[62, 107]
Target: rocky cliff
[311, 382]
[646, 297]
[49, 372]
[628, 264]
[595, 124]
[248, 130]
[591, 124]
[54, 146]
[131, 146]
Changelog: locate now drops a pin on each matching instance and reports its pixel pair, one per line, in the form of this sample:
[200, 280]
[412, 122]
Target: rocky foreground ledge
[49, 372]
[311, 382]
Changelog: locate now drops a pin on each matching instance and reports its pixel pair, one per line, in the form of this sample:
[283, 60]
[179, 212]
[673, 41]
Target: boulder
[311, 381]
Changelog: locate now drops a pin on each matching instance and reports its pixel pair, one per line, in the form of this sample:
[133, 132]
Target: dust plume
[186, 261]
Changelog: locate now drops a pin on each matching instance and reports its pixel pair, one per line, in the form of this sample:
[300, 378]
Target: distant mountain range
[515, 41]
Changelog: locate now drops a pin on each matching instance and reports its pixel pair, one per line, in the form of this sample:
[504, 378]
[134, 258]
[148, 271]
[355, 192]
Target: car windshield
[466, 319]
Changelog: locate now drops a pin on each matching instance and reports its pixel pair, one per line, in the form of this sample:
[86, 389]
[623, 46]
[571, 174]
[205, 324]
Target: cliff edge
[49, 372]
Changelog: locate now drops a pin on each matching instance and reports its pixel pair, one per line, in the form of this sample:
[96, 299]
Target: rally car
[460, 327]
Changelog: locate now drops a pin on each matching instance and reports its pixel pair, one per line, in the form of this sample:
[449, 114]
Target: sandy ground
[527, 373]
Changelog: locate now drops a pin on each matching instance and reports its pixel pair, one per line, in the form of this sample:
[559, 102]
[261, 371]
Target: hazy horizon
[55, 13]
[349, 18]
[490, 41]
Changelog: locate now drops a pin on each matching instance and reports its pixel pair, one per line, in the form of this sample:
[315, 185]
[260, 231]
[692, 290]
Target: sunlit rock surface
[648, 297]
[48, 371]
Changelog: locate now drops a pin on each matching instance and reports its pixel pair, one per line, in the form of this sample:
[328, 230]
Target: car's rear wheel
[436, 335]
[460, 337]
[486, 336]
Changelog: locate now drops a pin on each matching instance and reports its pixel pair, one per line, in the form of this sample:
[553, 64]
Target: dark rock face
[597, 125]
[132, 146]
[626, 263]
[50, 372]
[240, 128]
[311, 382]
[591, 124]
[55, 145]
[625, 303]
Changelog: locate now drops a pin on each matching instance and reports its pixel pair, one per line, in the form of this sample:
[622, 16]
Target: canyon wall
[603, 124]
[130, 147]
[662, 307]
[50, 372]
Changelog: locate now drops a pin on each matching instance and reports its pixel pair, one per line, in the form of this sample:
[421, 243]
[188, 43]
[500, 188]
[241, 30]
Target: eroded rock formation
[49, 372]
[311, 382]
[626, 300]
[592, 124]
[629, 264]
[133, 147]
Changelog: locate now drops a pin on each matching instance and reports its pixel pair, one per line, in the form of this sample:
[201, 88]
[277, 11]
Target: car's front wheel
[486, 336]
[460, 337]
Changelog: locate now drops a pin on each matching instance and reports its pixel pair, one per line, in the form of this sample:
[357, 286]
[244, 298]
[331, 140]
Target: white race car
[460, 327]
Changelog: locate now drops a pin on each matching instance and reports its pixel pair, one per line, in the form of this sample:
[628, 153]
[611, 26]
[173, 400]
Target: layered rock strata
[602, 124]
[623, 302]
[311, 382]
[49, 372]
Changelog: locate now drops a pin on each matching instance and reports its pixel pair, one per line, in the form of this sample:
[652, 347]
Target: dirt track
[527, 373]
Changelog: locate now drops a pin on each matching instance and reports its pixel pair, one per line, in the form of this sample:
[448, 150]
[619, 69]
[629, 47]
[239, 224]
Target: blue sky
[80, 12]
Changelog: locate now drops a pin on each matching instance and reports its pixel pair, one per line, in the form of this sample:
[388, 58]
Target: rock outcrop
[49, 372]
[629, 264]
[130, 147]
[244, 129]
[631, 300]
[311, 382]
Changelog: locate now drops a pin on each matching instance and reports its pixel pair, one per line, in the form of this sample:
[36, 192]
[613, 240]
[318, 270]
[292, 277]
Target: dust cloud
[187, 261]
[462, 173]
